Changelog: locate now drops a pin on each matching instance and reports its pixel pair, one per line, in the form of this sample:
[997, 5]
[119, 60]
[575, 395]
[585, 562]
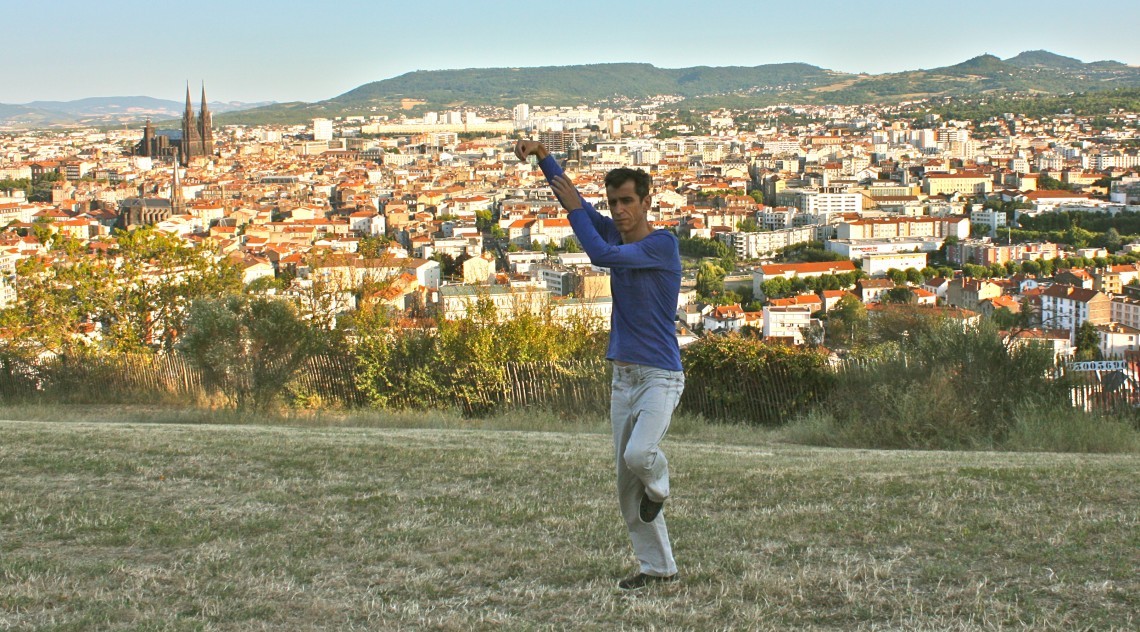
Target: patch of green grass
[322, 526]
[1033, 429]
[1054, 430]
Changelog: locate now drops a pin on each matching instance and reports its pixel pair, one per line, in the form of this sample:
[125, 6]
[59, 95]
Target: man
[645, 267]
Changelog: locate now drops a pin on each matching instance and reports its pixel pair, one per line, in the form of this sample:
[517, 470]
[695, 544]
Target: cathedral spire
[206, 125]
[191, 143]
[189, 108]
[177, 202]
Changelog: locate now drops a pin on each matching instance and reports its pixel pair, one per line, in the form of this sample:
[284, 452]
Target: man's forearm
[550, 168]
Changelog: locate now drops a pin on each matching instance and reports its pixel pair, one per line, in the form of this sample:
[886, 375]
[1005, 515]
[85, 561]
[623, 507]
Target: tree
[41, 230]
[484, 220]
[847, 320]
[814, 334]
[1087, 342]
[372, 247]
[1047, 183]
[828, 282]
[1078, 237]
[54, 298]
[449, 267]
[40, 190]
[140, 301]
[697, 247]
[262, 285]
[748, 225]
[898, 277]
[1005, 318]
[710, 280]
[172, 274]
[777, 287]
[1112, 240]
[899, 294]
[975, 271]
[397, 368]
[914, 277]
[246, 347]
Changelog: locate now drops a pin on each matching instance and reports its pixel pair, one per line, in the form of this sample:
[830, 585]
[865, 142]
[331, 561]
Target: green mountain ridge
[1037, 72]
[1046, 59]
[1031, 72]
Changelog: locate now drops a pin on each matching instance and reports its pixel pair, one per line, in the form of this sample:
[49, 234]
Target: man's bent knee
[640, 460]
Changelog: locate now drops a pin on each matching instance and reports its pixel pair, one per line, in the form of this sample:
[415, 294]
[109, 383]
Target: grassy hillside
[1031, 72]
[191, 527]
[567, 85]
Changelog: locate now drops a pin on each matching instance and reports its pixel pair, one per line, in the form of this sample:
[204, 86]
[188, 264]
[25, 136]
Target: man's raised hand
[525, 148]
[566, 192]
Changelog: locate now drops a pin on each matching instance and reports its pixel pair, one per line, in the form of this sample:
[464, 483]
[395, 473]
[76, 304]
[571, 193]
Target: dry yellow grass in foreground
[191, 527]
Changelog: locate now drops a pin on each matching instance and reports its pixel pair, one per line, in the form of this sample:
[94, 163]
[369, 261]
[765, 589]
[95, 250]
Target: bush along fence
[768, 394]
[756, 384]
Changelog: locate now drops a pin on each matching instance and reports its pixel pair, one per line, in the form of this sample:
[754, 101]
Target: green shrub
[752, 381]
[246, 348]
[945, 385]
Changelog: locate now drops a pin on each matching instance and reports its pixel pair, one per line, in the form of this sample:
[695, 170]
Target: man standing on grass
[645, 267]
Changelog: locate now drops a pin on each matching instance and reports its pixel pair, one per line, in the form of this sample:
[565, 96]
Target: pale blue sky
[286, 50]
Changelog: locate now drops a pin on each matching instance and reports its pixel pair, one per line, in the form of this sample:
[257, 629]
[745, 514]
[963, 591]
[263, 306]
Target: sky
[287, 50]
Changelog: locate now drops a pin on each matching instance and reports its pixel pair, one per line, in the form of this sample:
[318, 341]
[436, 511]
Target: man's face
[627, 209]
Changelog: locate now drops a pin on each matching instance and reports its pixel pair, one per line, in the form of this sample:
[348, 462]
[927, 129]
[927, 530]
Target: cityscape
[427, 213]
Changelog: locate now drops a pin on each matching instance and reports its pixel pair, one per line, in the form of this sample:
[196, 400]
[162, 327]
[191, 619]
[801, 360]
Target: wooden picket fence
[1106, 391]
[330, 378]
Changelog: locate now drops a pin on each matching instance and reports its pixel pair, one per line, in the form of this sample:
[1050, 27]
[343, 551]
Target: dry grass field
[144, 526]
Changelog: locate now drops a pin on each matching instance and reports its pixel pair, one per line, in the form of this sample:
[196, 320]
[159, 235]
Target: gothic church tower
[197, 131]
[206, 126]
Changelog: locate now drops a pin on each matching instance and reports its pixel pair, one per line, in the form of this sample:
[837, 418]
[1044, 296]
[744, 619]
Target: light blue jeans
[641, 406]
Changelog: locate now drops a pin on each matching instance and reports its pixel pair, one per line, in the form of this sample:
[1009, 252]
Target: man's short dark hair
[641, 180]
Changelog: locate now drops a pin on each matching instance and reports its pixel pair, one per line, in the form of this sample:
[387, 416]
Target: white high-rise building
[322, 129]
[522, 116]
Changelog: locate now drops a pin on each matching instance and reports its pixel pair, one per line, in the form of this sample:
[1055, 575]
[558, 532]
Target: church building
[197, 136]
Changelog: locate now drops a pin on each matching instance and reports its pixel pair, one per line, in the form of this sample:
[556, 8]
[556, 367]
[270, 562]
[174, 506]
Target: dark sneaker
[641, 580]
[649, 508]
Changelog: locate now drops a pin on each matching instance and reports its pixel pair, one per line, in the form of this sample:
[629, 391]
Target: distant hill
[1031, 72]
[551, 85]
[1045, 59]
[570, 84]
[104, 111]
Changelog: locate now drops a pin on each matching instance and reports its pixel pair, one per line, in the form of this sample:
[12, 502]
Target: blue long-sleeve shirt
[645, 279]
